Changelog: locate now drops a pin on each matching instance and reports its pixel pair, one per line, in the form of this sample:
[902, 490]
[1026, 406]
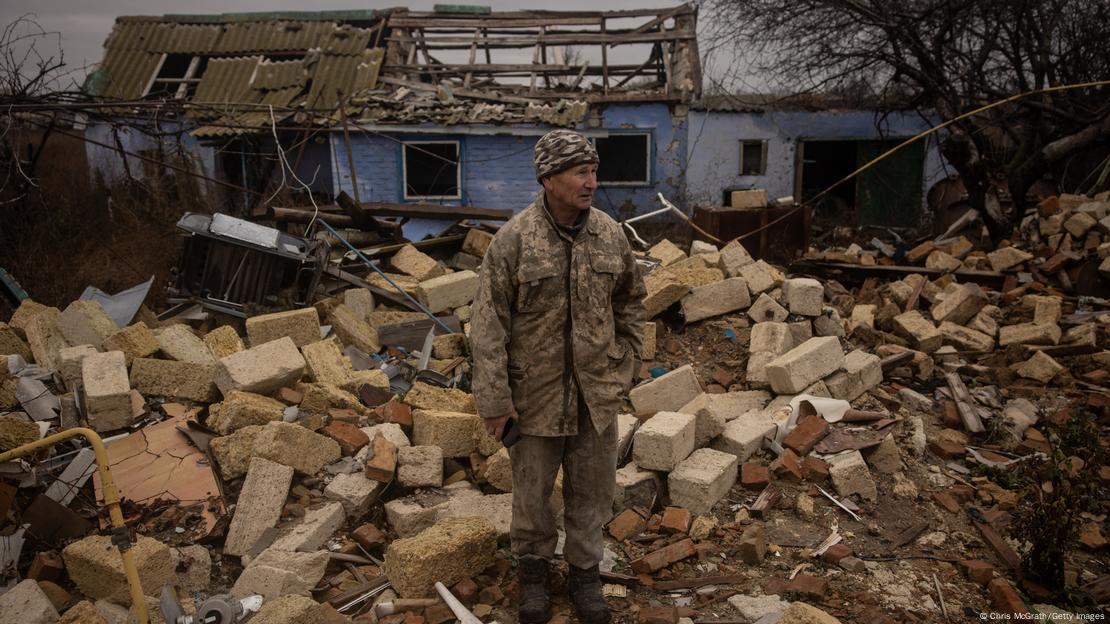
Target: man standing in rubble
[556, 335]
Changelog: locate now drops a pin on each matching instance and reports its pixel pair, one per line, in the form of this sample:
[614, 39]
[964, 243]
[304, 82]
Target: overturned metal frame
[229, 264]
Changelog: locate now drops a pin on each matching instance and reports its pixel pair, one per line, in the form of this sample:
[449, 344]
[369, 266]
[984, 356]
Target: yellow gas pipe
[120, 535]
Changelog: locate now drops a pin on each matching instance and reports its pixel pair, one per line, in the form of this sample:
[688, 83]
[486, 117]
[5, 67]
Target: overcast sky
[83, 25]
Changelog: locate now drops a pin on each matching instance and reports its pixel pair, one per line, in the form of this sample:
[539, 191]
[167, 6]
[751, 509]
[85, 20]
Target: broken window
[625, 159]
[753, 157]
[431, 170]
[177, 76]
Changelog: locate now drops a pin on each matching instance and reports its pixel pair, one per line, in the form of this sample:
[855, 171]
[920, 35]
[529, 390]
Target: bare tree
[947, 56]
[31, 61]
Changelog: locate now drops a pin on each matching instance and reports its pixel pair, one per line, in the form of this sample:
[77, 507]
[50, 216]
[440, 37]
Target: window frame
[762, 157]
[649, 157]
[183, 83]
[405, 169]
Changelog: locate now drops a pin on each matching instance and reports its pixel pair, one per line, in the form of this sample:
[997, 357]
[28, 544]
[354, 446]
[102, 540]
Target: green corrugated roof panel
[123, 74]
[280, 74]
[227, 80]
[346, 74]
[291, 36]
[304, 16]
[469, 9]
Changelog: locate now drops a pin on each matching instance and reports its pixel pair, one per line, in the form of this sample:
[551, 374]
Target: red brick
[978, 571]
[715, 389]
[368, 536]
[289, 396]
[754, 476]
[343, 414]
[466, 591]
[944, 499]
[663, 557]
[786, 466]
[776, 586]
[812, 587]
[962, 493]
[835, 553]
[808, 432]
[815, 470]
[412, 618]
[676, 520]
[950, 416]
[1005, 598]
[397, 412]
[490, 595]
[46, 566]
[658, 615]
[1048, 206]
[350, 438]
[627, 524]
[723, 377]
[438, 614]
[947, 450]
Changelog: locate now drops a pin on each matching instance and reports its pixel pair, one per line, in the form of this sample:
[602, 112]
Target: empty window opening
[753, 157]
[177, 76]
[431, 170]
[625, 159]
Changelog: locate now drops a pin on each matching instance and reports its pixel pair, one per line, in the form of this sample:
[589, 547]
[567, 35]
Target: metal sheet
[123, 74]
[343, 74]
[245, 231]
[123, 305]
[227, 80]
[280, 74]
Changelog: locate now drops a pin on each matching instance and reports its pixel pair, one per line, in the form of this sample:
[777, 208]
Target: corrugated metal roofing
[289, 36]
[227, 80]
[280, 74]
[343, 74]
[261, 16]
[123, 74]
[159, 37]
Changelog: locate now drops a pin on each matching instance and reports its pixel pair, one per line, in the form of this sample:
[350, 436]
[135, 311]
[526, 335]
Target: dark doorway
[887, 194]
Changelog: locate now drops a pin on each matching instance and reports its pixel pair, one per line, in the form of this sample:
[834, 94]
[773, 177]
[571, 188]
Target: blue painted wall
[110, 164]
[668, 160]
[497, 169]
[714, 148]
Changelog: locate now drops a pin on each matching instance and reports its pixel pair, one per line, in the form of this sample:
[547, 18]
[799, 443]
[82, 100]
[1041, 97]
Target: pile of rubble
[308, 458]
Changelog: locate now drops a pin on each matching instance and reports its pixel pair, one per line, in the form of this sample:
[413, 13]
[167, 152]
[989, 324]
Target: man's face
[573, 187]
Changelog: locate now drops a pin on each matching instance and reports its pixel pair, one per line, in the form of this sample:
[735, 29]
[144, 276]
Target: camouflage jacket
[555, 315]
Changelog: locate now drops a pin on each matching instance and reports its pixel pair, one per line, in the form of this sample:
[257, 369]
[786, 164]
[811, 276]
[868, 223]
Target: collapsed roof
[236, 73]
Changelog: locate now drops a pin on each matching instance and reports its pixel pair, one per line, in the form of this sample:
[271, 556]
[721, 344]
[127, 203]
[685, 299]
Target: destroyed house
[799, 146]
[399, 106]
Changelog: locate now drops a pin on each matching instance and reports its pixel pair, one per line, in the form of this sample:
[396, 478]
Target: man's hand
[495, 426]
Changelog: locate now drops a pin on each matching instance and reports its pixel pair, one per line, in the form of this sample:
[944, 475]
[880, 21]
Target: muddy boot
[585, 593]
[535, 603]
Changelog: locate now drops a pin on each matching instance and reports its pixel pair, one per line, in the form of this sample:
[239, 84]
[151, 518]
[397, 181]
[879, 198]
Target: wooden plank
[765, 501]
[608, 39]
[964, 404]
[986, 278]
[910, 534]
[386, 209]
[1003, 549]
[701, 581]
[477, 95]
[665, 556]
[411, 335]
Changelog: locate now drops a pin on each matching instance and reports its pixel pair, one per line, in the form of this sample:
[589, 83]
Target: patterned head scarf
[560, 150]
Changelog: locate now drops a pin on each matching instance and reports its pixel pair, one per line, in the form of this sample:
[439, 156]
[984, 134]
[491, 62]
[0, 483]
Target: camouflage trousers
[589, 462]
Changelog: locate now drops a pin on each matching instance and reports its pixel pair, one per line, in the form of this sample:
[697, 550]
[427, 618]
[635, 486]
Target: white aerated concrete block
[805, 364]
[667, 393]
[716, 299]
[664, 440]
[262, 369]
[851, 475]
[702, 479]
[803, 296]
[776, 338]
[743, 436]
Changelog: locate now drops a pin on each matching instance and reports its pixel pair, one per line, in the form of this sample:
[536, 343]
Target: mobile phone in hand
[510, 434]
